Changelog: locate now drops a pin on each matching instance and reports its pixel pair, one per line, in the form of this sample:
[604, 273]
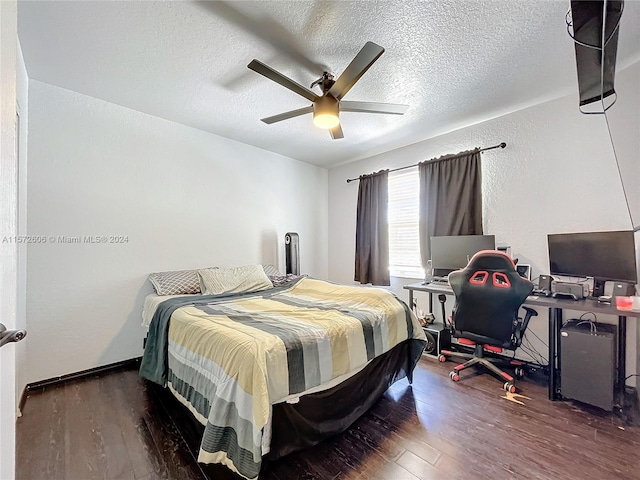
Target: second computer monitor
[453, 252]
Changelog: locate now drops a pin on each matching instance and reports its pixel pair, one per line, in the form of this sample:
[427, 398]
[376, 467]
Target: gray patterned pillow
[176, 283]
[271, 270]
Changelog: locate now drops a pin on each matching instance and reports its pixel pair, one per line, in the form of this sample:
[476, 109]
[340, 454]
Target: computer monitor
[449, 253]
[601, 255]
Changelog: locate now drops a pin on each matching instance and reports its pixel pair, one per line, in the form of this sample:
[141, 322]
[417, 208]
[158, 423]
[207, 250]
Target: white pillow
[250, 278]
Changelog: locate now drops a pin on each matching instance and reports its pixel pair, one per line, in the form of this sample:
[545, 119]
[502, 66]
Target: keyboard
[443, 282]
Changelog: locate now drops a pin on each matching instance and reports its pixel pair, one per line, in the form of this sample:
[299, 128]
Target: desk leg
[552, 354]
[411, 299]
[555, 324]
[622, 358]
[559, 320]
[431, 305]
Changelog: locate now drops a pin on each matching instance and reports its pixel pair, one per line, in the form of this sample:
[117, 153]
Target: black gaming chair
[489, 292]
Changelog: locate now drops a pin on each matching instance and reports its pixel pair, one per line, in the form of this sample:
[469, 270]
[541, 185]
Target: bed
[273, 371]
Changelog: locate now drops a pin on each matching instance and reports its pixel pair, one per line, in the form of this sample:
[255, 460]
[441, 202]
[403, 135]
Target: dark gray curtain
[450, 198]
[372, 230]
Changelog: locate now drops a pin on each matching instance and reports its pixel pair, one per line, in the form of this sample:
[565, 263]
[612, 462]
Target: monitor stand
[442, 273]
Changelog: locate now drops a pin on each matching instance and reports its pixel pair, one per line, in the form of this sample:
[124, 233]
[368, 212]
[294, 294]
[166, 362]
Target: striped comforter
[228, 359]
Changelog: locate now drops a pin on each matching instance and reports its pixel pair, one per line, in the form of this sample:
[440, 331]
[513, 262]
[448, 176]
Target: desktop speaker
[544, 282]
[619, 289]
[292, 253]
[438, 338]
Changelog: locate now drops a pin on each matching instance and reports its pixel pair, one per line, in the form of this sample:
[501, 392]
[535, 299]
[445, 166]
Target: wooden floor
[110, 426]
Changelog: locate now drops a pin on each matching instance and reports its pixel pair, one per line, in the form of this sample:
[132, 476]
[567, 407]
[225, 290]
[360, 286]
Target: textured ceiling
[455, 62]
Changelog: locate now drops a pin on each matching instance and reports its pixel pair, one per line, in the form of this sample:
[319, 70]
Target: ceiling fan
[326, 107]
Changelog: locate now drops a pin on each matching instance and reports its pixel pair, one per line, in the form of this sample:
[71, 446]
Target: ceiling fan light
[325, 112]
[326, 120]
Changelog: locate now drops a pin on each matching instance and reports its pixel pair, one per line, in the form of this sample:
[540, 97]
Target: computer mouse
[604, 299]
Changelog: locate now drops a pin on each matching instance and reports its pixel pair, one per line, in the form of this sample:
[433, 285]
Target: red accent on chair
[479, 278]
[466, 341]
[491, 348]
[500, 280]
[507, 377]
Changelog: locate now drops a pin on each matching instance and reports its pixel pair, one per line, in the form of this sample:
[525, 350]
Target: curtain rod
[500, 145]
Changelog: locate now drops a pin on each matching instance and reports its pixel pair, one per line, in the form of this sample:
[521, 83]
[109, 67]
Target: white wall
[183, 197]
[623, 119]
[22, 104]
[556, 175]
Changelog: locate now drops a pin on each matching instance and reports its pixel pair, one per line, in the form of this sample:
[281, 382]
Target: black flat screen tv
[601, 255]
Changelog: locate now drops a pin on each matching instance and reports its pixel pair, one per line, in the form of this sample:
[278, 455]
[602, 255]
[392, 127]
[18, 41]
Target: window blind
[404, 239]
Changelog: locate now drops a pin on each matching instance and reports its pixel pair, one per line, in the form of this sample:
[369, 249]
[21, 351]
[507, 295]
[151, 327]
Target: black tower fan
[292, 252]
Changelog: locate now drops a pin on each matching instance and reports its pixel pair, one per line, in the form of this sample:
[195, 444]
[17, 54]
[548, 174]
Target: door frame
[8, 230]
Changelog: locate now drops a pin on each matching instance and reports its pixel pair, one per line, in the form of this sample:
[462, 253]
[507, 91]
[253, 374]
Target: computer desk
[556, 307]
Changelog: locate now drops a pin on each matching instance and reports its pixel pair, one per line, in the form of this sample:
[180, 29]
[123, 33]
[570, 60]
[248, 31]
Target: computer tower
[588, 363]
[438, 338]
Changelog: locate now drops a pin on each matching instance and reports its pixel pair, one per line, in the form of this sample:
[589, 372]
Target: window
[404, 236]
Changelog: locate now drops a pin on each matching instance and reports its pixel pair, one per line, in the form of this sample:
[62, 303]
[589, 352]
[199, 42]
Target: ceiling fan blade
[271, 74]
[287, 115]
[373, 107]
[266, 29]
[237, 79]
[358, 66]
[336, 132]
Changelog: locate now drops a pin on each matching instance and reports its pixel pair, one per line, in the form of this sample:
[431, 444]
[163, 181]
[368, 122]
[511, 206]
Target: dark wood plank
[118, 464]
[130, 403]
[116, 426]
[40, 430]
[179, 461]
[94, 445]
[529, 424]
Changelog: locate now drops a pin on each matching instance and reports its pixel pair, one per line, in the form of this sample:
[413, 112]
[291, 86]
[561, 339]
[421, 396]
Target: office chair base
[477, 358]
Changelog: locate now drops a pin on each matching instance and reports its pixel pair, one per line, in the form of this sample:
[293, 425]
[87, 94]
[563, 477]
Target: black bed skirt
[321, 415]
[316, 416]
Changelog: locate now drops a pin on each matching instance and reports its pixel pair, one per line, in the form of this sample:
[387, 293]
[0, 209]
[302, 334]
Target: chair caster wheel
[519, 372]
[509, 387]
[454, 376]
[442, 358]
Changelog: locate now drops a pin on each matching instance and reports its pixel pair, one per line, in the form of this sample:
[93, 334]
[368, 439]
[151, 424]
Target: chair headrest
[491, 260]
